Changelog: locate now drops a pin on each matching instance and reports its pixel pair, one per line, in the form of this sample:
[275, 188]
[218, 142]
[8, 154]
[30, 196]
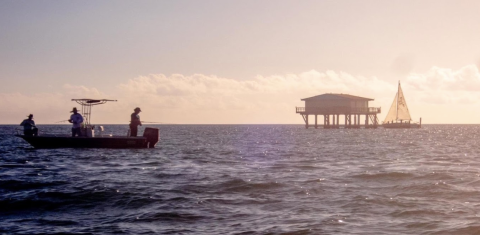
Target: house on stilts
[332, 106]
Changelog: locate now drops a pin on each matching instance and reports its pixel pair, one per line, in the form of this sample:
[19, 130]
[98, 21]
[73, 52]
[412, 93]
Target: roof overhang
[331, 96]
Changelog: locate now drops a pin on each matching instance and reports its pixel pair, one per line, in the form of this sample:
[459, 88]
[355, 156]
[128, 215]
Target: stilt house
[331, 106]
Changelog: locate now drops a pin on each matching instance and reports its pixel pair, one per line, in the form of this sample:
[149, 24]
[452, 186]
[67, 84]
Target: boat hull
[86, 142]
[401, 125]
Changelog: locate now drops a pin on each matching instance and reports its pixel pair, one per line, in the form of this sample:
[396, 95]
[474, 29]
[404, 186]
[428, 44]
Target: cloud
[46, 107]
[224, 90]
[443, 79]
[211, 99]
[79, 92]
[446, 86]
[264, 99]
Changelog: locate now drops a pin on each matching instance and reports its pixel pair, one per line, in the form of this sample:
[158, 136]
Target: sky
[236, 62]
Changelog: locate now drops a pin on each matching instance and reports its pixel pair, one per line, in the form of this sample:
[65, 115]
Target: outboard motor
[152, 135]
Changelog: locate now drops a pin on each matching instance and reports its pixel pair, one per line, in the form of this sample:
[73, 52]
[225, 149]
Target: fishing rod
[141, 121]
[158, 122]
[155, 122]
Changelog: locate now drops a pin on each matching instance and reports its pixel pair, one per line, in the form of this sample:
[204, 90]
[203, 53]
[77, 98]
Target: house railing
[338, 110]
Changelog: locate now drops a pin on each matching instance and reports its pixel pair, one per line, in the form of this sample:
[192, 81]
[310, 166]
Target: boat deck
[66, 141]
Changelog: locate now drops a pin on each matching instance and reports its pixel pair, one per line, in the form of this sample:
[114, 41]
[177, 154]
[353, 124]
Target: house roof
[331, 96]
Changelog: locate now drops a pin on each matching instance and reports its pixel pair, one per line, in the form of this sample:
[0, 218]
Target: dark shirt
[28, 124]
[135, 119]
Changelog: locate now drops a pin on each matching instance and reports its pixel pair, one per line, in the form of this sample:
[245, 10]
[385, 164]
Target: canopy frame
[87, 107]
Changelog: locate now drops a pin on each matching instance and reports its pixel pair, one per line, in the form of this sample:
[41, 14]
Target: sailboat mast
[398, 93]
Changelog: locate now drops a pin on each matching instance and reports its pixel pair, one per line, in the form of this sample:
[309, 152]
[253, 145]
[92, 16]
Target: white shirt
[77, 120]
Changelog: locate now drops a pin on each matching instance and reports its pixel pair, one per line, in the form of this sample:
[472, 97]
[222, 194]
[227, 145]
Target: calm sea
[247, 179]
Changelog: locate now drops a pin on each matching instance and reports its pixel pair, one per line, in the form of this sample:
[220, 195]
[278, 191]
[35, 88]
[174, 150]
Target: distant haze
[239, 62]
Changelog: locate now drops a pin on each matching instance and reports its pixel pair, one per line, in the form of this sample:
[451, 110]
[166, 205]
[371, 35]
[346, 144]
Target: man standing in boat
[135, 122]
[76, 119]
[29, 127]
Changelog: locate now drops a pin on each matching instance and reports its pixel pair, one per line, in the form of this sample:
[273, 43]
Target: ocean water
[247, 179]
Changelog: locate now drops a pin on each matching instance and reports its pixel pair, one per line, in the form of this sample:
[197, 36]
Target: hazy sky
[236, 61]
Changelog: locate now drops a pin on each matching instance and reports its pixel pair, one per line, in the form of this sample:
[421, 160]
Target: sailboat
[398, 116]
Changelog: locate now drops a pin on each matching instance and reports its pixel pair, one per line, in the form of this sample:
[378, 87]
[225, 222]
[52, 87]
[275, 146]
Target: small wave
[48, 222]
[195, 151]
[169, 216]
[15, 185]
[55, 200]
[436, 175]
[423, 189]
[385, 176]
[169, 176]
[414, 213]
[239, 185]
[11, 206]
[469, 229]
[14, 165]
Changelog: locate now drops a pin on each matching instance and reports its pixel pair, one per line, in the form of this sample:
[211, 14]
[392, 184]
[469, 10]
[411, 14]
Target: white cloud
[445, 86]
[264, 99]
[442, 79]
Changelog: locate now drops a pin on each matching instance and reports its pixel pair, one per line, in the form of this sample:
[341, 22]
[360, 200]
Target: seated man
[29, 128]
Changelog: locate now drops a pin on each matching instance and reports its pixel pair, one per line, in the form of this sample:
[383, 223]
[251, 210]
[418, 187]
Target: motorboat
[88, 139]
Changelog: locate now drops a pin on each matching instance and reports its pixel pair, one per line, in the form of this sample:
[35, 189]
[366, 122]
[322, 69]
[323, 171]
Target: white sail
[399, 110]
[402, 109]
[392, 113]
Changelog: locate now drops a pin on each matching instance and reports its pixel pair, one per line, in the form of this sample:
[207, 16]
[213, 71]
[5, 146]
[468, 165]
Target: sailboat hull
[404, 125]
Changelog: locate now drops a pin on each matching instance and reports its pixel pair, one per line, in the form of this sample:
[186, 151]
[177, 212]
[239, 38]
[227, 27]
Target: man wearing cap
[76, 119]
[135, 122]
[29, 128]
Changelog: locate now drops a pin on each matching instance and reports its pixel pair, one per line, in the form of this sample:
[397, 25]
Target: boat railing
[338, 110]
[300, 109]
[41, 132]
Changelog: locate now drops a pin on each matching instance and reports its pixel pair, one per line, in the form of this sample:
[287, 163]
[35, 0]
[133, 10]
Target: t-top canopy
[87, 107]
[91, 101]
